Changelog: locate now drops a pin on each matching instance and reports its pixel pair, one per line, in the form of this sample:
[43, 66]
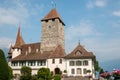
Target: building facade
[50, 52]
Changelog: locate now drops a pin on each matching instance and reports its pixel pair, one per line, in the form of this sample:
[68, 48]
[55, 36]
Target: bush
[26, 73]
[4, 71]
[57, 77]
[34, 78]
[44, 73]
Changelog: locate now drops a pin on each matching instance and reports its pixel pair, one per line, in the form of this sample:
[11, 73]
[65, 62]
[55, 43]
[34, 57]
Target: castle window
[60, 61]
[78, 63]
[22, 63]
[85, 63]
[79, 71]
[85, 71]
[31, 63]
[41, 63]
[14, 64]
[72, 71]
[53, 61]
[72, 63]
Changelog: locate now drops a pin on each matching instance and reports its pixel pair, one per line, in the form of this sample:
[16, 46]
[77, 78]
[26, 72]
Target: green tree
[4, 71]
[25, 73]
[44, 73]
[97, 67]
[10, 72]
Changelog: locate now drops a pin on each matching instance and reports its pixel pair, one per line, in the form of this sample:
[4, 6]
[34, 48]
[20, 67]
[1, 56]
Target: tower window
[53, 19]
[49, 27]
[46, 20]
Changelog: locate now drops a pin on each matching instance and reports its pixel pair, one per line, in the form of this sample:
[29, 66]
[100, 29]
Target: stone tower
[52, 31]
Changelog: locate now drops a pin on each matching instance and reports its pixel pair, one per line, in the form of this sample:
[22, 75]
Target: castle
[50, 52]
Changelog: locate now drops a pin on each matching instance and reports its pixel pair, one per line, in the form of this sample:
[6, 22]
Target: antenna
[53, 4]
[79, 42]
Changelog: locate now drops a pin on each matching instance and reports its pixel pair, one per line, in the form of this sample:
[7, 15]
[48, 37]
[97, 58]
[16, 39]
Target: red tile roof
[58, 53]
[53, 14]
[80, 53]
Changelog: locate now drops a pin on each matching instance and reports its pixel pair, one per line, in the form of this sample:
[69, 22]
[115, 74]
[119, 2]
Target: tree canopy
[4, 70]
[26, 73]
[44, 73]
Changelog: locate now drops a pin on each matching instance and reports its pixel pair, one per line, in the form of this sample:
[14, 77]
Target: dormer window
[37, 50]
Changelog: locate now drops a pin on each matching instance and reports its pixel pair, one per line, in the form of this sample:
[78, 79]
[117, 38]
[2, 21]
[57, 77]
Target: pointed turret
[19, 39]
[53, 14]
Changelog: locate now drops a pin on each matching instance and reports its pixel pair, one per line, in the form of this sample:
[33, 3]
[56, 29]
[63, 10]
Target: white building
[50, 52]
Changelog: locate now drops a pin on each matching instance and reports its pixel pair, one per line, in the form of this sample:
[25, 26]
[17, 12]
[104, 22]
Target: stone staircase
[75, 78]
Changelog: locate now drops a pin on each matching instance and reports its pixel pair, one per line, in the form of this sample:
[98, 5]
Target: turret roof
[52, 15]
[19, 39]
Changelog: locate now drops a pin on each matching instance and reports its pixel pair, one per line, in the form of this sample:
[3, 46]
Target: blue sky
[96, 23]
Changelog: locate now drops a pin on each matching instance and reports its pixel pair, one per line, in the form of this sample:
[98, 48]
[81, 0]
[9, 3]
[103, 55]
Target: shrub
[106, 75]
[34, 78]
[116, 74]
[44, 73]
[26, 73]
[57, 77]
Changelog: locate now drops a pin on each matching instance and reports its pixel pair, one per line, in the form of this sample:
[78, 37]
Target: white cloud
[96, 3]
[100, 3]
[104, 49]
[5, 42]
[17, 12]
[83, 29]
[116, 13]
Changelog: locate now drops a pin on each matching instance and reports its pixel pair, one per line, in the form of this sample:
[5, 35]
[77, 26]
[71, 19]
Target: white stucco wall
[52, 66]
[16, 52]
